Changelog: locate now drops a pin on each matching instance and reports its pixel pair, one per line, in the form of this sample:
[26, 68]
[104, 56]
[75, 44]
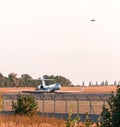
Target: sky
[56, 37]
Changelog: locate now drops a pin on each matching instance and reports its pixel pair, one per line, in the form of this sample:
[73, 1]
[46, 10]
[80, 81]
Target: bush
[25, 105]
[111, 115]
[88, 122]
[71, 122]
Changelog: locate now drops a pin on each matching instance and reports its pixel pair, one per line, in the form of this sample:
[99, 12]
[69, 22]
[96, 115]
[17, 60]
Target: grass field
[33, 121]
[37, 121]
[92, 89]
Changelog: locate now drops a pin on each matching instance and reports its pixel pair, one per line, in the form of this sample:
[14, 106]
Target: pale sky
[40, 37]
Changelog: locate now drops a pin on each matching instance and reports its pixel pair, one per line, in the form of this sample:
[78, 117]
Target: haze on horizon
[57, 37]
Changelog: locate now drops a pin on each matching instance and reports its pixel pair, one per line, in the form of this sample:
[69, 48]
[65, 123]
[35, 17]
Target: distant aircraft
[43, 88]
[92, 20]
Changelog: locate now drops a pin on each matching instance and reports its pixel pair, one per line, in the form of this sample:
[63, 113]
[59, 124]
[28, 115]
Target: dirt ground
[92, 89]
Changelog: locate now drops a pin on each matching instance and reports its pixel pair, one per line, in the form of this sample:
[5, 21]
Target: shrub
[25, 105]
[71, 122]
[111, 115]
[88, 122]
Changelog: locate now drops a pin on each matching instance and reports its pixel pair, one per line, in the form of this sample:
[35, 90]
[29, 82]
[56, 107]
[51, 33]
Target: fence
[64, 102]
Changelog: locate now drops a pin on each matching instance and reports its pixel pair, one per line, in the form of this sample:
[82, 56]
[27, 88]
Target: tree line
[27, 81]
[103, 83]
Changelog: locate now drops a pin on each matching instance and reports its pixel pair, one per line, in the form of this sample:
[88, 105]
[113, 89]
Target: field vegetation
[26, 80]
[44, 121]
[30, 121]
[109, 117]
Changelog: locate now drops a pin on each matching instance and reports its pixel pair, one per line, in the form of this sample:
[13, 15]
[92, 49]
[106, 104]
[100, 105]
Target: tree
[13, 82]
[63, 81]
[83, 83]
[111, 115]
[115, 83]
[90, 83]
[106, 83]
[96, 83]
[26, 80]
[48, 82]
[106, 117]
[2, 80]
[25, 105]
[103, 83]
[70, 122]
[57, 79]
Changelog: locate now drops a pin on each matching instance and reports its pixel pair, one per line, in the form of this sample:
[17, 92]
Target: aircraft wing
[37, 91]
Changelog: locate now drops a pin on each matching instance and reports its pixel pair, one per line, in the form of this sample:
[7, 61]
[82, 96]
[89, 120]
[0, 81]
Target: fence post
[54, 104]
[78, 106]
[43, 104]
[65, 106]
[90, 107]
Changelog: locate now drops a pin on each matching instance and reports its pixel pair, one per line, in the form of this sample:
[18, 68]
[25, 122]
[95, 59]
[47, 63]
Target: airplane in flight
[92, 20]
[43, 88]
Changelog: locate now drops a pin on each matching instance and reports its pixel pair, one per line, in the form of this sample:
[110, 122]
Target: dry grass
[92, 89]
[33, 121]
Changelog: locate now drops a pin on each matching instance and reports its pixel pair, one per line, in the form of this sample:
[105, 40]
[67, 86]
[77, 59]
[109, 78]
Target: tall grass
[33, 121]
[40, 121]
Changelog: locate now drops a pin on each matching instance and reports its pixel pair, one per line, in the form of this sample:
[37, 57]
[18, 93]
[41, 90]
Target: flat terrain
[92, 89]
[95, 107]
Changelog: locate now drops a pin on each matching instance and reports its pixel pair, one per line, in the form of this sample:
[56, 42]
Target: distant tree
[103, 83]
[2, 80]
[26, 76]
[63, 81]
[106, 83]
[57, 79]
[83, 83]
[115, 83]
[90, 83]
[12, 79]
[7, 84]
[25, 105]
[26, 80]
[48, 82]
[96, 83]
